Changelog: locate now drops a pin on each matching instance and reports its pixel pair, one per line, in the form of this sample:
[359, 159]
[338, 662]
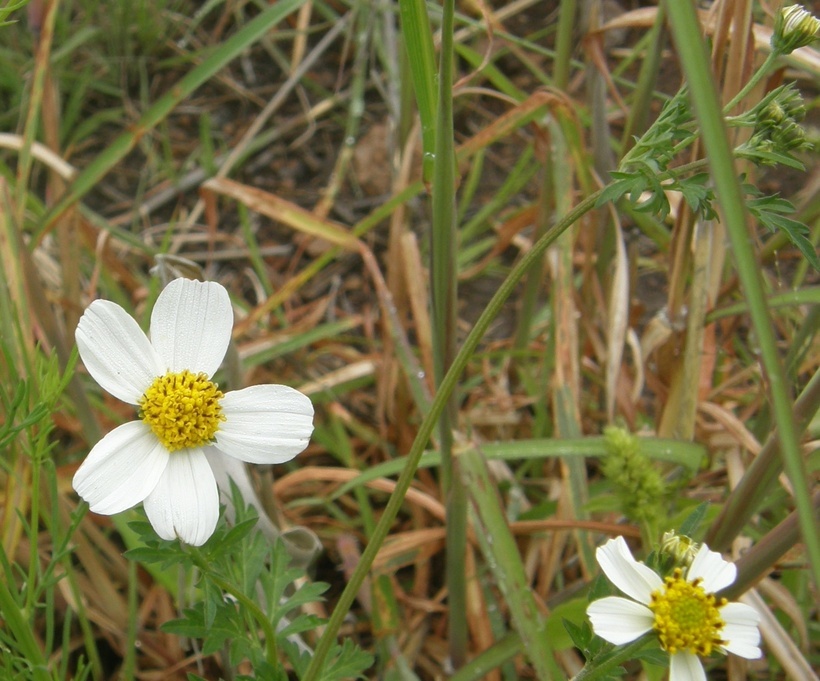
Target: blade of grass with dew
[504, 560]
[124, 143]
[418, 42]
[684, 25]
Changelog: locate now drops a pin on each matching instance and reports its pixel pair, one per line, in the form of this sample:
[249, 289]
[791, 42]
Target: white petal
[185, 502]
[741, 632]
[633, 578]
[715, 572]
[619, 620]
[265, 423]
[116, 352]
[121, 469]
[685, 667]
[191, 325]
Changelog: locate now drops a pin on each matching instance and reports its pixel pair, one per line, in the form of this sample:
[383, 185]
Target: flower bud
[794, 27]
[677, 549]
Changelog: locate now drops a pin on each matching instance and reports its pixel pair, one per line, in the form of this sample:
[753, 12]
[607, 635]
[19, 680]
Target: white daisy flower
[682, 609]
[160, 458]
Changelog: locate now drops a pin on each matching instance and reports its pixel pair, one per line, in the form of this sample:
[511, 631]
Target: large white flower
[160, 458]
[682, 609]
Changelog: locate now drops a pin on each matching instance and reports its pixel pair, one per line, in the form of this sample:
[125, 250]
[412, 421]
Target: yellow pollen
[686, 617]
[182, 409]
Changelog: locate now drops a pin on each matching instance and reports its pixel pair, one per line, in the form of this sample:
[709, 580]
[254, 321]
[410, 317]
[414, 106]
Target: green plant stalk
[124, 143]
[41, 66]
[418, 41]
[602, 669]
[757, 76]
[444, 291]
[504, 560]
[446, 388]
[564, 43]
[694, 60]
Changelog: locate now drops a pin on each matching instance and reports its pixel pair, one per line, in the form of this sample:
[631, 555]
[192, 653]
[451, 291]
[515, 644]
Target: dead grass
[319, 229]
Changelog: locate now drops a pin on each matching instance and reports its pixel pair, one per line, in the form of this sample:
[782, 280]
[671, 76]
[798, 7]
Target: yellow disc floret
[686, 617]
[182, 409]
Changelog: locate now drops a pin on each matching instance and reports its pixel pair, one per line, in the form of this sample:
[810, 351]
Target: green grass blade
[504, 561]
[418, 41]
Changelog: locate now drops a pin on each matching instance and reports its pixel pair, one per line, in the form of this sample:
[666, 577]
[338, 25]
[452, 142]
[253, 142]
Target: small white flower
[160, 458]
[682, 609]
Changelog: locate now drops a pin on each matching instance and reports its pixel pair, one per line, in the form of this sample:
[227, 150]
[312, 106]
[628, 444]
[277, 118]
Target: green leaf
[689, 526]
[581, 634]
[770, 211]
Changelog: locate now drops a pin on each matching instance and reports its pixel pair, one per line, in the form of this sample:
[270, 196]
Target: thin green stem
[446, 388]
[247, 603]
[444, 288]
[757, 76]
[694, 60]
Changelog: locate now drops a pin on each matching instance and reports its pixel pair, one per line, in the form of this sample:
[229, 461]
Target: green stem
[757, 76]
[444, 270]
[256, 612]
[694, 60]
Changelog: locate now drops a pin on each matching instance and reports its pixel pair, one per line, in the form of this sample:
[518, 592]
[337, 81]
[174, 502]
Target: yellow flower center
[182, 409]
[686, 617]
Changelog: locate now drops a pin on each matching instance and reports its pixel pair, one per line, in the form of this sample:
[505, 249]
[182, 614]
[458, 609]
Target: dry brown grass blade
[478, 618]
[286, 486]
[513, 119]
[414, 285]
[406, 548]
[778, 642]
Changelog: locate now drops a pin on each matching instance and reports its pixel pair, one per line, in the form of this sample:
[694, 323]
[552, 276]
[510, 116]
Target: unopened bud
[794, 27]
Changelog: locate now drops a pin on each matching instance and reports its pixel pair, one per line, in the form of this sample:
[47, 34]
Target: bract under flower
[160, 459]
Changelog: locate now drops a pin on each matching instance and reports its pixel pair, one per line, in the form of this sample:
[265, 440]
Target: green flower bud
[794, 27]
